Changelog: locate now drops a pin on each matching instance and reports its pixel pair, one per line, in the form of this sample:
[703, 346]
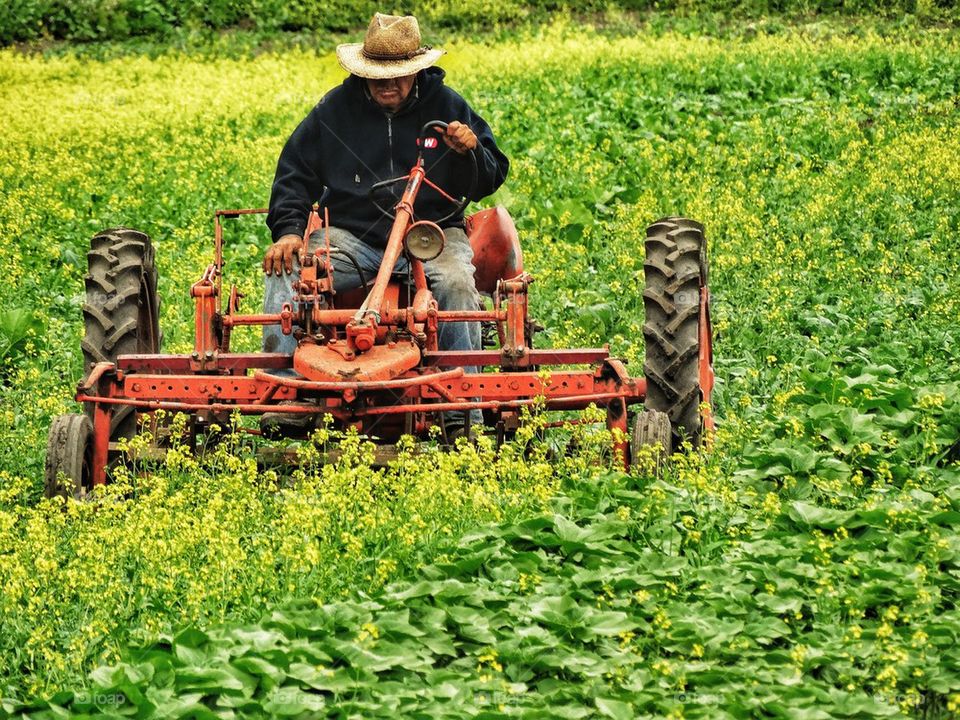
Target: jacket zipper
[390, 142]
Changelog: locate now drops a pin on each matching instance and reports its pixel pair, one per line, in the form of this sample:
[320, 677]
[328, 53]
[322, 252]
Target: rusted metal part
[307, 295]
[422, 302]
[102, 412]
[380, 362]
[362, 335]
[419, 276]
[171, 382]
[234, 320]
[206, 342]
[270, 392]
[617, 424]
[244, 408]
[706, 361]
[286, 319]
[512, 296]
[615, 369]
[496, 248]
[442, 392]
[504, 386]
[575, 402]
[578, 402]
[389, 316]
[372, 305]
[420, 392]
[314, 223]
[104, 378]
[203, 388]
[440, 358]
[357, 386]
[233, 308]
[447, 358]
[443, 193]
[181, 363]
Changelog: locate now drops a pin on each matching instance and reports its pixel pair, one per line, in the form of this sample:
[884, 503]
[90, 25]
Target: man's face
[390, 94]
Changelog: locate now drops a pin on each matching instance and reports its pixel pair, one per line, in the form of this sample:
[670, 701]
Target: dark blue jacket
[347, 143]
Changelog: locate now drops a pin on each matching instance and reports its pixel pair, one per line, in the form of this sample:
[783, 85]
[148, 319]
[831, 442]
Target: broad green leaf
[609, 623]
[616, 709]
[811, 515]
[291, 702]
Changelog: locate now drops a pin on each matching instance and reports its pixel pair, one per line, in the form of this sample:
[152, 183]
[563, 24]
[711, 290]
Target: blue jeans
[450, 276]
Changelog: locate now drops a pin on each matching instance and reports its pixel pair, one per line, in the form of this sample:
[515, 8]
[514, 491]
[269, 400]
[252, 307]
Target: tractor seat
[496, 248]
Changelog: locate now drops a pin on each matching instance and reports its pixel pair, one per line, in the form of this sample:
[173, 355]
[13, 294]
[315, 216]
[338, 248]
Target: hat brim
[352, 59]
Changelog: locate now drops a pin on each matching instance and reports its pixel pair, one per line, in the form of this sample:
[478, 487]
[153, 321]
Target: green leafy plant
[807, 568]
[17, 327]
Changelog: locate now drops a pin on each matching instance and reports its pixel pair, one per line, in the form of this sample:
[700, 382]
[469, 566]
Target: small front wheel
[69, 467]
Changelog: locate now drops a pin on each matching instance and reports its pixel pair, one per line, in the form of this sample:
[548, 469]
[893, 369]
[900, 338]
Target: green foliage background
[809, 567]
[117, 19]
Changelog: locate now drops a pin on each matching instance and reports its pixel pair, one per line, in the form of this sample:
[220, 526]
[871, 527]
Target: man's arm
[296, 185]
[492, 164]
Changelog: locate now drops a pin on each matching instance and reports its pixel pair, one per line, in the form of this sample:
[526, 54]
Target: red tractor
[370, 358]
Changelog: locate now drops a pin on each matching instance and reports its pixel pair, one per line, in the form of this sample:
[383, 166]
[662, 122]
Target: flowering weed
[808, 568]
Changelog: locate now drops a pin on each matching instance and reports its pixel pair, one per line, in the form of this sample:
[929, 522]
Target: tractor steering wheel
[421, 142]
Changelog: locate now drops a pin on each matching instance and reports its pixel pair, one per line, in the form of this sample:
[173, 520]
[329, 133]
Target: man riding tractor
[361, 133]
[399, 355]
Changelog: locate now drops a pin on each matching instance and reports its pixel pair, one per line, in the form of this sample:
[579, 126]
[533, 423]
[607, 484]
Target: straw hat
[390, 49]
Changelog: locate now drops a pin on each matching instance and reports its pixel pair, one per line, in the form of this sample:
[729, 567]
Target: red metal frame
[213, 380]
[706, 361]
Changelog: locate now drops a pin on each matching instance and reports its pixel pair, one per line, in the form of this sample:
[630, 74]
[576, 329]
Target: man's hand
[460, 137]
[280, 255]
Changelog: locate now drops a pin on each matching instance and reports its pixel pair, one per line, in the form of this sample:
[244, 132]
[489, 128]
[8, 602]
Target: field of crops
[808, 568]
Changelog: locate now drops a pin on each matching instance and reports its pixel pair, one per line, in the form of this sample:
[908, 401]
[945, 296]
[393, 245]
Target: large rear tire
[122, 308]
[674, 269]
[68, 471]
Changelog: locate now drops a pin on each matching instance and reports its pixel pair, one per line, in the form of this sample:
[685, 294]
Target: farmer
[360, 133]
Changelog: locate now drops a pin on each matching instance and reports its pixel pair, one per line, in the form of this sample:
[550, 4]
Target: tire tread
[119, 267]
[673, 271]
